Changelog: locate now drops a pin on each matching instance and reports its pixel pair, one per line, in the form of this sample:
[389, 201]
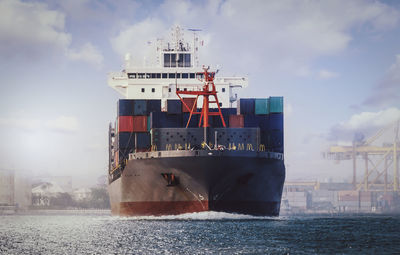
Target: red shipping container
[139, 123]
[236, 121]
[125, 124]
[189, 101]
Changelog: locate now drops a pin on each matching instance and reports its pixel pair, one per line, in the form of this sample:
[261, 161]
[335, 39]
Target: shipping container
[216, 121]
[164, 120]
[174, 106]
[153, 105]
[139, 123]
[276, 140]
[261, 121]
[261, 106]
[189, 101]
[125, 107]
[194, 120]
[276, 104]
[275, 121]
[143, 141]
[126, 140]
[139, 107]
[236, 121]
[242, 138]
[125, 124]
[174, 138]
[246, 105]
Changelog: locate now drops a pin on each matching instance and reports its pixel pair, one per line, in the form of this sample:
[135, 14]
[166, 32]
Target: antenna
[195, 46]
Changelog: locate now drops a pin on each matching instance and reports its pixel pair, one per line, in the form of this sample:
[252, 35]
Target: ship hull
[234, 184]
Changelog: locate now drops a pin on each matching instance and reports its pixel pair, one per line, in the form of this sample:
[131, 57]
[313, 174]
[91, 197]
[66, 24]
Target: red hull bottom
[160, 208]
[180, 207]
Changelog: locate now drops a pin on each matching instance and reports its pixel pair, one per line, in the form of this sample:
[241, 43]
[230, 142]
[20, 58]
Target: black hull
[226, 183]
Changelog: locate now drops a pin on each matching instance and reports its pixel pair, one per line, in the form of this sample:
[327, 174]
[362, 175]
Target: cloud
[139, 39]
[33, 30]
[30, 28]
[64, 124]
[325, 74]
[87, 53]
[288, 35]
[365, 122]
[387, 91]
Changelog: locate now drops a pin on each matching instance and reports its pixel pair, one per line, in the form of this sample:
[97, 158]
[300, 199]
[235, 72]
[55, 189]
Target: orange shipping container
[139, 123]
[236, 121]
[125, 124]
[189, 101]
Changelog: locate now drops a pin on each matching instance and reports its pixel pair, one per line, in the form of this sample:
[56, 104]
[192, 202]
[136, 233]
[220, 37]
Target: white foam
[201, 216]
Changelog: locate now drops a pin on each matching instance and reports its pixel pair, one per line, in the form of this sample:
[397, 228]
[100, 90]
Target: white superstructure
[176, 67]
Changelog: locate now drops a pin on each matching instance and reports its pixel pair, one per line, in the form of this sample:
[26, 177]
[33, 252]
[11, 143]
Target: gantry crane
[373, 157]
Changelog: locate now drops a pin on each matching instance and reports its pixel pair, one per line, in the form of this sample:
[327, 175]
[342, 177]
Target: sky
[336, 63]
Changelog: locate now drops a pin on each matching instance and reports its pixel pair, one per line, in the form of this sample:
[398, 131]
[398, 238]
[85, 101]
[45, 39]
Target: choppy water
[199, 233]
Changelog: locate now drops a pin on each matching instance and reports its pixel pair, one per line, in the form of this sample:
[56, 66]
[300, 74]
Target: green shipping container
[148, 123]
[276, 104]
[261, 106]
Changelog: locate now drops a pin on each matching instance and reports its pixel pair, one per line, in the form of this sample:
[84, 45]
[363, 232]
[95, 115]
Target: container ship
[184, 142]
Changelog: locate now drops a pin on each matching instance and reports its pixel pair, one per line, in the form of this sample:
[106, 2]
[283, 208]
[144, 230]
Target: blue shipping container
[125, 107]
[247, 105]
[126, 140]
[261, 121]
[153, 105]
[276, 121]
[143, 140]
[139, 107]
[194, 120]
[174, 106]
[164, 120]
[276, 140]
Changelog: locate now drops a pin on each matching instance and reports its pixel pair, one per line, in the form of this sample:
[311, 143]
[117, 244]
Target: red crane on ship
[208, 91]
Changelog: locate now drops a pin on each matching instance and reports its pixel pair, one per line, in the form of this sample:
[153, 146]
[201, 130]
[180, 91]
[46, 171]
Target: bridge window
[165, 75]
[223, 89]
[185, 76]
[131, 75]
[142, 90]
[153, 90]
[171, 75]
[141, 75]
[177, 60]
[158, 75]
[173, 60]
[167, 60]
[178, 75]
[192, 75]
[187, 60]
[180, 60]
[148, 75]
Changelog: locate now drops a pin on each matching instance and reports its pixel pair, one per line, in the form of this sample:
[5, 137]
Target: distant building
[42, 194]
[15, 189]
[81, 194]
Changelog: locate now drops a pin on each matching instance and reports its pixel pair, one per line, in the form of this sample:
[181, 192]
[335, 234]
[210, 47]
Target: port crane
[373, 157]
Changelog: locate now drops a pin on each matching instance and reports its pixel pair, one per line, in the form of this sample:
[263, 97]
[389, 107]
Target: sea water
[199, 233]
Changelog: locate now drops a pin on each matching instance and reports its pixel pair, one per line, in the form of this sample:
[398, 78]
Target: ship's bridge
[176, 68]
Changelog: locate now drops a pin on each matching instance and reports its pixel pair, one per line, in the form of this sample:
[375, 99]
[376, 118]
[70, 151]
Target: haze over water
[199, 233]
